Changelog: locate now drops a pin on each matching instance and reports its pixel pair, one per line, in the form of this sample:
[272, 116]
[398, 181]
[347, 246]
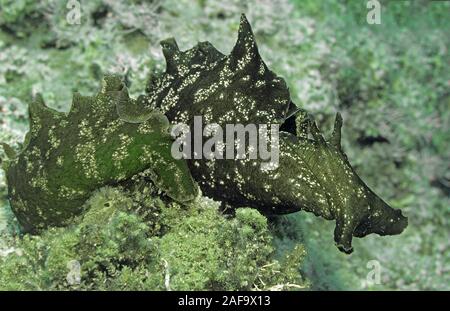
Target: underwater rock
[99, 142]
[313, 175]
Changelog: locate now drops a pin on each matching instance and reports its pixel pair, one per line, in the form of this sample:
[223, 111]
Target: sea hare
[109, 138]
[68, 156]
[313, 174]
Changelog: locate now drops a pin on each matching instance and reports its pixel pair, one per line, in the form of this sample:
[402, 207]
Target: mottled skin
[99, 142]
[313, 175]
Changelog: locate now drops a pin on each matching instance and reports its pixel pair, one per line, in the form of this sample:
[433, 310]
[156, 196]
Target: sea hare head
[357, 209]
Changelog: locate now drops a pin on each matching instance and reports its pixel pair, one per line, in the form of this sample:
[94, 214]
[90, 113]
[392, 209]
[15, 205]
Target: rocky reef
[109, 138]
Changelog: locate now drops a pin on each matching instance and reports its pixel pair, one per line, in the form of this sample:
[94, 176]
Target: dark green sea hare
[313, 174]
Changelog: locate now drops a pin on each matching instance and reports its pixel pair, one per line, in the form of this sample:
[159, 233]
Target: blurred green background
[391, 82]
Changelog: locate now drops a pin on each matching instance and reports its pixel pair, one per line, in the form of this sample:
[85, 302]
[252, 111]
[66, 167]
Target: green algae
[194, 249]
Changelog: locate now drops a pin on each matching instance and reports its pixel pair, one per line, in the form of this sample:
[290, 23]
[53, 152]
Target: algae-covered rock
[99, 142]
[111, 247]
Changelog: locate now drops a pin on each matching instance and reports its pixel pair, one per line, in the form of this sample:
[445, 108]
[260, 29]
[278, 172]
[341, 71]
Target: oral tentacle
[343, 234]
